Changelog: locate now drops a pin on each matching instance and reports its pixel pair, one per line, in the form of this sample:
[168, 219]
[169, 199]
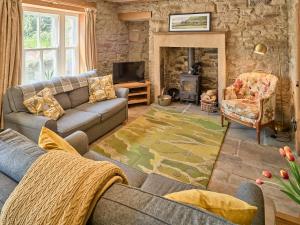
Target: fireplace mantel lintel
[190, 40]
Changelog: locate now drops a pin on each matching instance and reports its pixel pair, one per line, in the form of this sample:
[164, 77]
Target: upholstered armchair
[251, 101]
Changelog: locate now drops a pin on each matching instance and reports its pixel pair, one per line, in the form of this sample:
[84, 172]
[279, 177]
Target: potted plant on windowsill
[288, 181]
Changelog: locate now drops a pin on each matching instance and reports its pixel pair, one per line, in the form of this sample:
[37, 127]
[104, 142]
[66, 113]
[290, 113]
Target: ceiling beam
[135, 16]
[67, 3]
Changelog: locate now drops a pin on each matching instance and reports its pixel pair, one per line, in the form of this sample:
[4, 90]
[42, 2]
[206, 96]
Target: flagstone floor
[242, 159]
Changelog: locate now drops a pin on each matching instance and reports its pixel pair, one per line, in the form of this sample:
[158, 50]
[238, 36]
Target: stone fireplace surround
[189, 40]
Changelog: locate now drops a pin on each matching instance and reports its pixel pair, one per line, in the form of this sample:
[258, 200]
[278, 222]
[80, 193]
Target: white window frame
[61, 48]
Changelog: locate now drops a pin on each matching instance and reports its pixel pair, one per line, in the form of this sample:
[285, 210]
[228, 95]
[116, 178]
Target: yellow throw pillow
[49, 141]
[101, 88]
[226, 206]
[44, 102]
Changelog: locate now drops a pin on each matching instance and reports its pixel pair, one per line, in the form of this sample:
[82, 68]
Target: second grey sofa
[94, 119]
[139, 203]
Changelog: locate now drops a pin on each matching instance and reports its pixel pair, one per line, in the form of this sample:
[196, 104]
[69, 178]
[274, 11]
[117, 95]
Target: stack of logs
[209, 101]
[209, 97]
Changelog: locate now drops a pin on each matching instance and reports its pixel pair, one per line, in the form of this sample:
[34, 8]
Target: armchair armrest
[79, 140]
[253, 195]
[229, 93]
[267, 106]
[122, 92]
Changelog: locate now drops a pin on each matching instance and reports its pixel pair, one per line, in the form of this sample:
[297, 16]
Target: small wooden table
[284, 219]
[139, 92]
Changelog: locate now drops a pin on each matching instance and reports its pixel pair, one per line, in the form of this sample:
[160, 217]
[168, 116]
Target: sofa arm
[30, 121]
[253, 195]
[79, 140]
[122, 92]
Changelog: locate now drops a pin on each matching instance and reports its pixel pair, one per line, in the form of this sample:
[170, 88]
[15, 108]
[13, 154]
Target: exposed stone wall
[245, 25]
[139, 43]
[112, 37]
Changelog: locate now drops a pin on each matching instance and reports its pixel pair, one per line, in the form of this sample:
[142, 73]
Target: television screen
[128, 72]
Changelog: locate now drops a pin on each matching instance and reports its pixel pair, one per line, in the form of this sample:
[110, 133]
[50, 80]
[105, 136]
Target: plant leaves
[295, 199]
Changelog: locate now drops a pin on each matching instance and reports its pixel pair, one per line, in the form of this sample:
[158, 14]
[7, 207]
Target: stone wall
[245, 26]
[138, 49]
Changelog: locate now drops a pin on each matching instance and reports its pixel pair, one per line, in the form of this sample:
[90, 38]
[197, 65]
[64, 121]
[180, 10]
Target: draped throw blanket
[59, 188]
[10, 45]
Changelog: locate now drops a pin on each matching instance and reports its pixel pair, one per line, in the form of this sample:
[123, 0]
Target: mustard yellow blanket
[59, 188]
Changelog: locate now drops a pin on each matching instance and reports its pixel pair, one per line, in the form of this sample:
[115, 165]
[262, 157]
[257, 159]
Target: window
[51, 44]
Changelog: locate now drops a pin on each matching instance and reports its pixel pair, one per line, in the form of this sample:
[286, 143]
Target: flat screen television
[128, 72]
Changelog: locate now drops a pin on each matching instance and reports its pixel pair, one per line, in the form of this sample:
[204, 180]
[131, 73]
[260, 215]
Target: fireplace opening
[191, 71]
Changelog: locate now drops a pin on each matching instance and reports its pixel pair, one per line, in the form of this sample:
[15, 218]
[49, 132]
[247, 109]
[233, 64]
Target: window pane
[70, 62]
[50, 64]
[30, 30]
[32, 67]
[71, 32]
[48, 31]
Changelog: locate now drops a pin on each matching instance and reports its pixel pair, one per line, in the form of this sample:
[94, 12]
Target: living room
[150, 112]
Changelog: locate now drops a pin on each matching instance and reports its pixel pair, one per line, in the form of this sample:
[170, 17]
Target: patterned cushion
[45, 103]
[242, 107]
[101, 88]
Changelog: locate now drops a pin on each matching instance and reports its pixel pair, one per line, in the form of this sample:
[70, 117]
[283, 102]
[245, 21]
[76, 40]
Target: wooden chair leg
[258, 134]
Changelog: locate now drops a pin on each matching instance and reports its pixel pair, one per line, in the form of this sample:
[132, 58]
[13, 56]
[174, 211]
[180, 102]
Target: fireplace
[205, 40]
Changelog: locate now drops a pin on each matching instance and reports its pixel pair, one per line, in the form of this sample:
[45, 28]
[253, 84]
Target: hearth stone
[190, 88]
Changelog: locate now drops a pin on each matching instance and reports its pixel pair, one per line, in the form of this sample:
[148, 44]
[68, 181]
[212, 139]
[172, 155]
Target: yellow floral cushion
[101, 88]
[242, 107]
[44, 103]
[50, 141]
[226, 206]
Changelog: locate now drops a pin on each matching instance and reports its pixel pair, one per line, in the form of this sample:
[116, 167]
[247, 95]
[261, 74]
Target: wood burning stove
[190, 88]
[190, 82]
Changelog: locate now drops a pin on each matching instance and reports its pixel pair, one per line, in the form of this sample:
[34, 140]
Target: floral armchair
[251, 101]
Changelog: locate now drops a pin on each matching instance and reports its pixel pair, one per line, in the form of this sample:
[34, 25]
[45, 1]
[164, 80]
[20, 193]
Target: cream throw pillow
[44, 103]
[101, 88]
[226, 206]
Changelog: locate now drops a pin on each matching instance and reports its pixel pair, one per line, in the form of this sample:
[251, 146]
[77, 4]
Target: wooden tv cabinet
[139, 92]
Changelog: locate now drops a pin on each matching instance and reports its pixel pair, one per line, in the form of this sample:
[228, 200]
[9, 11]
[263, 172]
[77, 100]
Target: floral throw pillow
[45, 104]
[101, 88]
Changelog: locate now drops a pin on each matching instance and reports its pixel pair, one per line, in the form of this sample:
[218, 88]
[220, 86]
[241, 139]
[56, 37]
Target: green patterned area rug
[181, 146]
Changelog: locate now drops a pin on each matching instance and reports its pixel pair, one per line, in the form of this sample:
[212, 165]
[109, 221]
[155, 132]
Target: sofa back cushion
[79, 96]
[15, 99]
[64, 100]
[124, 205]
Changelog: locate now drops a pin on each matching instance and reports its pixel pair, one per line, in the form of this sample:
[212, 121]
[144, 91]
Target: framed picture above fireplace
[190, 22]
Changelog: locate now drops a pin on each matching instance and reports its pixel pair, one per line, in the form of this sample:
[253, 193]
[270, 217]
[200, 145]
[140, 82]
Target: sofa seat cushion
[105, 109]
[74, 120]
[160, 185]
[242, 107]
[135, 177]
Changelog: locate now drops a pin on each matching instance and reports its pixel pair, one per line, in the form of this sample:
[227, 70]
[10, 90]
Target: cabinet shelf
[138, 92]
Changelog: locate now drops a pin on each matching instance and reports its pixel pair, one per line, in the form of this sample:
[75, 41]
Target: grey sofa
[94, 119]
[139, 203]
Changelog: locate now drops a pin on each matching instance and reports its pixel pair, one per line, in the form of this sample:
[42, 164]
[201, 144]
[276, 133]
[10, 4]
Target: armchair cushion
[242, 107]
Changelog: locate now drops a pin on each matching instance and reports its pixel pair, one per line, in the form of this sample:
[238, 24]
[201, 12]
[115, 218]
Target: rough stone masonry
[246, 22]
